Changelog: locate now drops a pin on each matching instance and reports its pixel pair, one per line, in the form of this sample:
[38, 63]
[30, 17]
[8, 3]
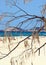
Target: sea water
[13, 33]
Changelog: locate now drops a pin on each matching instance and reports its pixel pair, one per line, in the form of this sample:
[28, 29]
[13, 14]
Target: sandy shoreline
[37, 60]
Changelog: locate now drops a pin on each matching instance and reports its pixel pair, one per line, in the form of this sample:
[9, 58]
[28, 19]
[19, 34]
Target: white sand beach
[19, 56]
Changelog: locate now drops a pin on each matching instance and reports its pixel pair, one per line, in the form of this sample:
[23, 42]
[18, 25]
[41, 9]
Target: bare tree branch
[40, 47]
[20, 42]
[14, 47]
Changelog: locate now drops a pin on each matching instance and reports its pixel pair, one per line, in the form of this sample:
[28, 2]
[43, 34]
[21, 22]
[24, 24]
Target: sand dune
[20, 54]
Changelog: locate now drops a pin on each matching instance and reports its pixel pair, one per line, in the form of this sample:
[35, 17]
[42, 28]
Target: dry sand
[37, 60]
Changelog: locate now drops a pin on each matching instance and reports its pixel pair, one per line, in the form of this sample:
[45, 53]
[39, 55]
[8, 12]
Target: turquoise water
[12, 33]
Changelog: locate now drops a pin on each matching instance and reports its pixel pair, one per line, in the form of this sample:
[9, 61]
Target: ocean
[13, 33]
